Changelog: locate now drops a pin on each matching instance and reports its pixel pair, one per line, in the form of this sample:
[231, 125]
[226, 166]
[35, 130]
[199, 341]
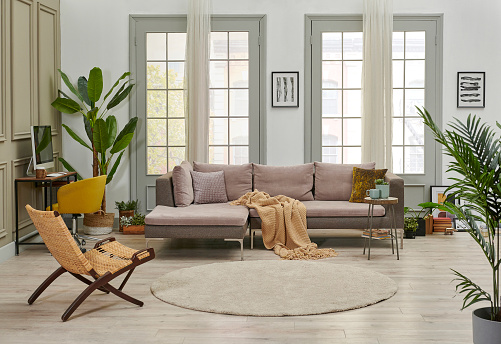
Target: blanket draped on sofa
[284, 226]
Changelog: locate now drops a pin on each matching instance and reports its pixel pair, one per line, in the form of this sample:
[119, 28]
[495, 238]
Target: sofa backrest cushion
[292, 181]
[237, 178]
[182, 184]
[209, 187]
[333, 182]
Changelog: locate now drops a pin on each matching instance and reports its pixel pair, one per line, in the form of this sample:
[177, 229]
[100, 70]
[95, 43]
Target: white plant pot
[485, 331]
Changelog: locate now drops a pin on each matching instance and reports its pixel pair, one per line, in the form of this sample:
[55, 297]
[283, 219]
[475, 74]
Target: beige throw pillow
[182, 184]
[209, 187]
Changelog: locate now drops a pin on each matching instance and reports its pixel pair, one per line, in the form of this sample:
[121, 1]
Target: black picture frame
[285, 89]
[471, 90]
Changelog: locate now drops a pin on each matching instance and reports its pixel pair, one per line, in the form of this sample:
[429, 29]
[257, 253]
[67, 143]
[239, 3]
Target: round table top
[381, 201]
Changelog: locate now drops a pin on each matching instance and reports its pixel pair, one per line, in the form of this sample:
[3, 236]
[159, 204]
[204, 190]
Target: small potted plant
[384, 187]
[126, 209]
[421, 216]
[410, 227]
[133, 224]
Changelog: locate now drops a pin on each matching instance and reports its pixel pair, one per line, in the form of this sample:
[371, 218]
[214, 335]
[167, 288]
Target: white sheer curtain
[196, 79]
[377, 83]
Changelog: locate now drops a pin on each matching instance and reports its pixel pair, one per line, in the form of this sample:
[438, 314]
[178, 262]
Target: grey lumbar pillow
[209, 187]
[183, 186]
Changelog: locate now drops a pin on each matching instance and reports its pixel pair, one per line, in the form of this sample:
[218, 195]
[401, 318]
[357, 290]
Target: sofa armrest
[165, 190]
[397, 190]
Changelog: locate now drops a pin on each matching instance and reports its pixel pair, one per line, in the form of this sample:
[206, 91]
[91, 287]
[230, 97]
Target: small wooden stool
[449, 231]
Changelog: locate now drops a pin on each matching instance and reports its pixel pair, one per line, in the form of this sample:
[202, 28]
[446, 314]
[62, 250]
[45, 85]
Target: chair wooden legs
[45, 284]
[86, 281]
[124, 296]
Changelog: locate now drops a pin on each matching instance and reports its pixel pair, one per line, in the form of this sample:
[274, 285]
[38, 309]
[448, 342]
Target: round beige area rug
[273, 288]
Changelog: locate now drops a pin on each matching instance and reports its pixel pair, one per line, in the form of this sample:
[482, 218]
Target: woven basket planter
[98, 223]
[135, 229]
[126, 213]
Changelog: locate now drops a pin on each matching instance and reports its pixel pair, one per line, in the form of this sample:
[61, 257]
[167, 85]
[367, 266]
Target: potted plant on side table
[133, 225]
[384, 187]
[126, 209]
[475, 149]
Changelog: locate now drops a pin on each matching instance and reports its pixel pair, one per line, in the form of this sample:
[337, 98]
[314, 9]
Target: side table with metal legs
[390, 203]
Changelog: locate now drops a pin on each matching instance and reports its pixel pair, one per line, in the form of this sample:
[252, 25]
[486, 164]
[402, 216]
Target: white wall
[95, 33]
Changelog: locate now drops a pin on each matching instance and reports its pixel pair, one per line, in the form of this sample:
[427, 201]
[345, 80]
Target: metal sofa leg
[252, 234]
[241, 241]
[149, 239]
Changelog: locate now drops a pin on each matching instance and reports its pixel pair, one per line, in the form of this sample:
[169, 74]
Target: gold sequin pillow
[364, 180]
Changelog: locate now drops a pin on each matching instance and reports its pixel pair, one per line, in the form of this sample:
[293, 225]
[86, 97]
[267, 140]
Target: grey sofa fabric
[238, 178]
[196, 232]
[165, 190]
[397, 190]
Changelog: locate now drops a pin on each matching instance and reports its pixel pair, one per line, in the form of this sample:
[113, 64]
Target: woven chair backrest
[59, 241]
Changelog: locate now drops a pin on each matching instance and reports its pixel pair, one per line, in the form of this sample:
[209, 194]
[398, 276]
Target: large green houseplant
[475, 149]
[100, 126]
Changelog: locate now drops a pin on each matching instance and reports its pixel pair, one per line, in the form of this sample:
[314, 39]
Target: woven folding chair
[107, 260]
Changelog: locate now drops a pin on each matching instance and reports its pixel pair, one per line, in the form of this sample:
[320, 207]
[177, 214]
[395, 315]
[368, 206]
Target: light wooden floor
[423, 310]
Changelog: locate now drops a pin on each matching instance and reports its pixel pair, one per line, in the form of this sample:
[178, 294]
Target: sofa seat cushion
[335, 209]
[214, 214]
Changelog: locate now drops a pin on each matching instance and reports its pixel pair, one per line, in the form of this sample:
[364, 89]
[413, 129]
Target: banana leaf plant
[475, 149]
[101, 128]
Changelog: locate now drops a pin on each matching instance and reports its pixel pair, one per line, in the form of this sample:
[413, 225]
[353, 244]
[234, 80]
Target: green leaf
[88, 128]
[64, 94]
[95, 84]
[44, 142]
[119, 97]
[76, 137]
[69, 167]
[114, 168]
[92, 114]
[64, 105]
[122, 143]
[128, 129]
[100, 136]
[124, 75]
[111, 122]
[70, 85]
[82, 89]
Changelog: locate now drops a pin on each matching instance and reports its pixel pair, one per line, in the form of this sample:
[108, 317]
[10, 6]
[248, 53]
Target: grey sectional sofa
[324, 189]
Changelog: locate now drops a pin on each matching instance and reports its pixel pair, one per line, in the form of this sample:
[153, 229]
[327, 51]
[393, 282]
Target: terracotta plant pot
[98, 223]
[135, 229]
[126, 213]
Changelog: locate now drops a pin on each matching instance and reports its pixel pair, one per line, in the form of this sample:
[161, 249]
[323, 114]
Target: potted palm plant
[106, 144]
[475, 149]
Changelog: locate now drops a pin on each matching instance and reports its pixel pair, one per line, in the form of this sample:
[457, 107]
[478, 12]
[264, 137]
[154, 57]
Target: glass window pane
[331, 154]
[413, 98]
[239, 131]
[156, 75]
[331, 132]
[239, 155]
[239, 74]
[177, 46]
[414, 159]
[398, 159]
[352, 45]
[177, 132]
[414, 73]
[331, 103]
[239, 102]
[352, 74]
[157, 103]
[352, 134]
[398, 103]
[155, 46]
[239, 45]
[157, 160]
[157, 132]
[218, 100]
[176, 103]
[218, 155]
[415, 45]
[352, 103]
[331, 45]
[414, 131]
[398, 74]
[218, 131]
[398, 45]
[219, 45]
[176, 75]
[176, 156]
[398, 131]
[331, 75]
[218, 74]
[352, 155]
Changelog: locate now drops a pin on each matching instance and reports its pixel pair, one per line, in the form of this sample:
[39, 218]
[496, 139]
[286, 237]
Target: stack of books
[440, 224]
[377, 234]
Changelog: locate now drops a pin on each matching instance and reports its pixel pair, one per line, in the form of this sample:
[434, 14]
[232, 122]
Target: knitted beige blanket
[284, 226]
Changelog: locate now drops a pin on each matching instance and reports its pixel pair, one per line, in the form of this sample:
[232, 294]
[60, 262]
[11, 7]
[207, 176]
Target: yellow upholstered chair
[84, 196]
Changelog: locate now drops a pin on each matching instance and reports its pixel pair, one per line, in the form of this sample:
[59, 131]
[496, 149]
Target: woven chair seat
[111, 257]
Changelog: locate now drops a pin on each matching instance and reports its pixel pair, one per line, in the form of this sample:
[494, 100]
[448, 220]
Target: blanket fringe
[308, 252]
